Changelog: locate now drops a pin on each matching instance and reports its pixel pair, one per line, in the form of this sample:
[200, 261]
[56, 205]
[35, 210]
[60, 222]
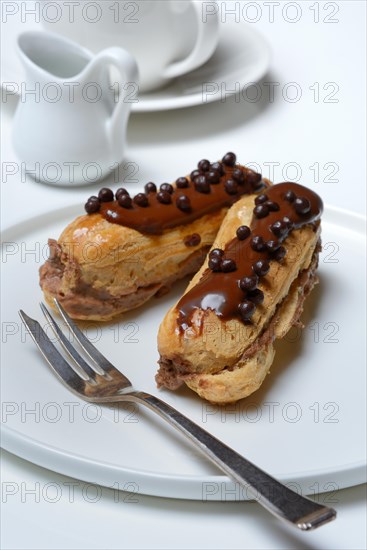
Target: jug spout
[48, 57]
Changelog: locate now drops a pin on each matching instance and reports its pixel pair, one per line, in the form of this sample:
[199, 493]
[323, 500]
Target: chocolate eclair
[219, 338]
[127, 249]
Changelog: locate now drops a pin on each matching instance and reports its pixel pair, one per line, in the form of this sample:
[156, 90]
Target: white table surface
[165, 145]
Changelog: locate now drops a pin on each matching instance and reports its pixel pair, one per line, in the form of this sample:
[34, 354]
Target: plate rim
[18, 444]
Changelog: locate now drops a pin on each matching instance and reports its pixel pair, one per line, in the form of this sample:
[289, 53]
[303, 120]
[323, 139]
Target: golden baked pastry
[218, 339]
[126, 250]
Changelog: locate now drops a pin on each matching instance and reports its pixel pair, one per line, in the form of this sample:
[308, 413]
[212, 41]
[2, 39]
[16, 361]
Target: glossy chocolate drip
[220, 292]
[156, 217]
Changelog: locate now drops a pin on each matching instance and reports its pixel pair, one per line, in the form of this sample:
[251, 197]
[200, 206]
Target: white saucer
[241, 59]
[305, 426]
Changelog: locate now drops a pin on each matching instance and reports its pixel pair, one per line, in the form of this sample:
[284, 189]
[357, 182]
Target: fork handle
[270, 493]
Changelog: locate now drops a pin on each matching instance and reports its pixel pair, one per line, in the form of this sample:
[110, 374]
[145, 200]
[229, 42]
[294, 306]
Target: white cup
[168, 38]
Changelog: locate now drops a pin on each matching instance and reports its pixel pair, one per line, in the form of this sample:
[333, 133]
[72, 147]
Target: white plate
[306, 425]
[241, 59]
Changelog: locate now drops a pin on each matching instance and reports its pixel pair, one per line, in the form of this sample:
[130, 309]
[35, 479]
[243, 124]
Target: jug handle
[128, 70]
[206, 42]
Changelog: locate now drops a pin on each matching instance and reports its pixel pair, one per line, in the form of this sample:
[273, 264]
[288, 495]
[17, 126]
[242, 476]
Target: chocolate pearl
[215, 264]
[246, 309]
[229, 159]
[183, 203]
[231, 187]
[201, 185]
[248, 283]
[141, 200]
[194, 174]
[279, 228]
[192, 240]
[238, 175]
[213, 177]
[120, 191]
[201, 180]
[261, 267]
[253, 179]
[150, 187]
[261, 211]
[256, 296]
[204, 165]
[164, 197]
[166, 187]
[290, 196]
[125, 201]
[257, 244]
[272, 206]
[228, 265]
[92, 205]
[279, 254]
[216, 253]
[272, 245]
[302, 205]
[260, 199]
[288, 222]
[217, 167]
[243, 232]
[105, 195]
[182, 183]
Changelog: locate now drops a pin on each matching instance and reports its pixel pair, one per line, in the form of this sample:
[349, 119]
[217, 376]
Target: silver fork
[100, 382]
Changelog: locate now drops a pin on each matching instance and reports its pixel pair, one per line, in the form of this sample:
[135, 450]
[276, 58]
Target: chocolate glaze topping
[209, 188]
[231, 293]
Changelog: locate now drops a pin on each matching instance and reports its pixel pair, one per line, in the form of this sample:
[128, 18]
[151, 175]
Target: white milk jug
[70, 124]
